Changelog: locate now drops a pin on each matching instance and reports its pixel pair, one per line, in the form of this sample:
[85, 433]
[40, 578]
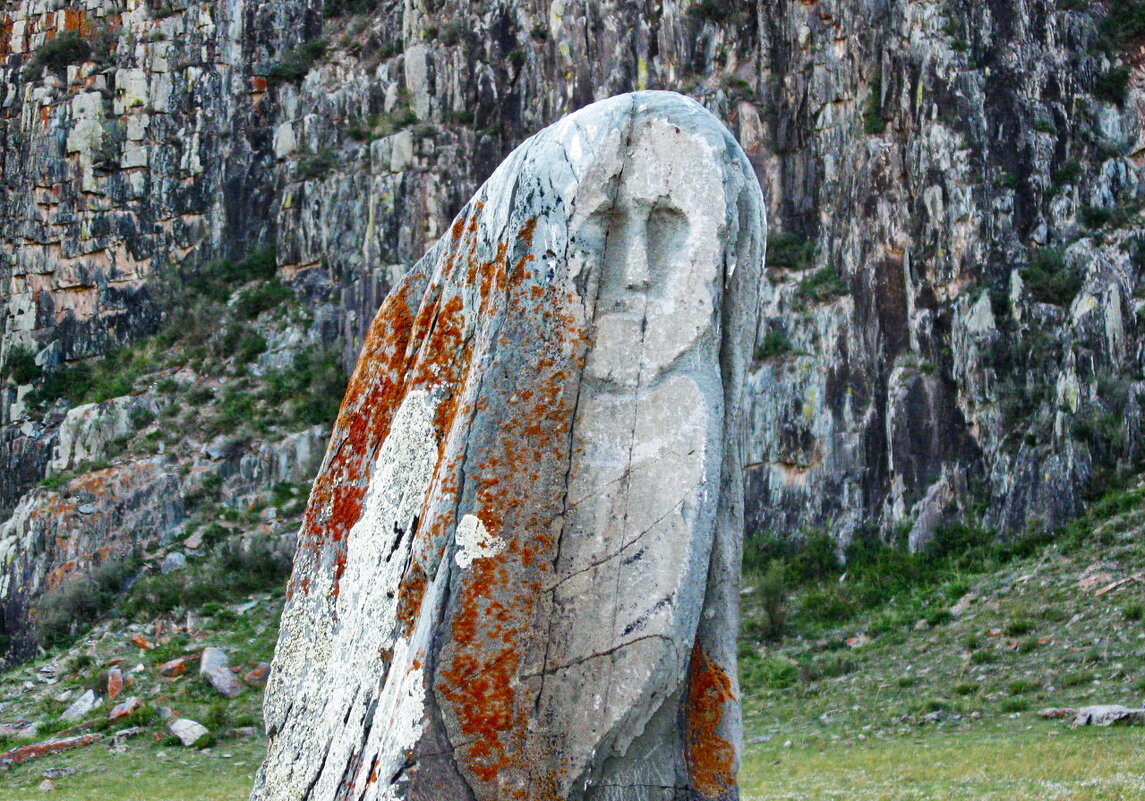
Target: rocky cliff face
[951, 325]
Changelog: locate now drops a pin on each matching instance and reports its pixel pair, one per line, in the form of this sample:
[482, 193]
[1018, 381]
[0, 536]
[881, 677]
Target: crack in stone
[597, 655]
[625, 546]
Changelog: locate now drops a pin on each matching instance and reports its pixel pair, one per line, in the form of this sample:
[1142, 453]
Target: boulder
[81, 706]
[257, 677]
[172, 562]
[212, 658]
[26, 752]
[176, 667]
[1106, 715]
[517, 576]
[124, 708]
[187, 730]
[21, 730]
[215, 669]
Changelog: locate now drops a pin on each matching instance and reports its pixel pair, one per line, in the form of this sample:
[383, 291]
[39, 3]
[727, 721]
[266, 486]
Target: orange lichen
[74, 19]
[26, 752]
[711, 758]
[372, 396]
[410, 593]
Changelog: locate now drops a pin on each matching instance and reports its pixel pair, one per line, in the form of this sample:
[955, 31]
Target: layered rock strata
[518, 571]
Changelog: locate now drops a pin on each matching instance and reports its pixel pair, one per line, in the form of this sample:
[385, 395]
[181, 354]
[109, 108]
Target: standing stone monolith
[517, 576]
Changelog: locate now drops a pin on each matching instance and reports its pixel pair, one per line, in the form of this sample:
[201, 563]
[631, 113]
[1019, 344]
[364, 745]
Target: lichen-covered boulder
[518, 571]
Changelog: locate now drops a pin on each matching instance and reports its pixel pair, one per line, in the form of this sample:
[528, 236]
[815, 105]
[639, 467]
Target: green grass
[1007, 763]
[144, 772]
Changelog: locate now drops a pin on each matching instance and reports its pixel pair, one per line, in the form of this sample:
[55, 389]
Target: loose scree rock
[517, 574]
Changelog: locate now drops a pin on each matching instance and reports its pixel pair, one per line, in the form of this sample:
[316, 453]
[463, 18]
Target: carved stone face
[661, 256]
[523, 541]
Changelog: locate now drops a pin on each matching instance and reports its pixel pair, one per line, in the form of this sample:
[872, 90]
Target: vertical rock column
[518, 572]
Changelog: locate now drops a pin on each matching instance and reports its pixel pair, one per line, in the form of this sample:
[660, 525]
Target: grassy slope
[925, 710]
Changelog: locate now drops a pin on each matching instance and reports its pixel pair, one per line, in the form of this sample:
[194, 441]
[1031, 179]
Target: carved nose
[636, 275]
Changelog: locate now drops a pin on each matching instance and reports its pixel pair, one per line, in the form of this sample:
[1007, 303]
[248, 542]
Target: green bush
[983, 657]
[1112, 85]
[1068, 173]
[338, 8]
[1019, 627]
[452, 32]
[309, 391]
[255, 300]
[766, 673]
[1124, 22]
[230, 574]
[1095, 216]
[296, 63]
[773, 597]
[822, 286]
[1022, 686]
[59, 53]
[1077, 679]
[828, 667]
[873, 122]
[317, 166]
[714, 11]
[775, 344]
[1050, 279]
[790, 251]
[64, 613]
[20, 366]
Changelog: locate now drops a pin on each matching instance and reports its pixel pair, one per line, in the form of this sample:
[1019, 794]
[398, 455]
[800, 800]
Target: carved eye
[667, 237]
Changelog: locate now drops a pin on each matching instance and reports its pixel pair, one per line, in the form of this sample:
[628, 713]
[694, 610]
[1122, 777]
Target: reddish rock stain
[711, 758]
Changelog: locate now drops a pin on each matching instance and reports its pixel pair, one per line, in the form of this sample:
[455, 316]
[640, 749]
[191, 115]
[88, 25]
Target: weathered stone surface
[22, 730]
[26, 752]
[173, 561]
[81, 706]
[188, 731]
[1107, 715]
[211, 658]
[258, 676]
[176, 667]
[124, 708]
[56, 536]
[518, 572]
[215, 668]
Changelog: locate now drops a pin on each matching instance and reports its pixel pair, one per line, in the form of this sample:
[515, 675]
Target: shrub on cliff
[1113, 85]
[1050, 279]
[1124, 22]
[822, 286]
[20, 366]
[69, 609]
[58, 54]
[295, 63]
[715, 11]
[789, 250]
